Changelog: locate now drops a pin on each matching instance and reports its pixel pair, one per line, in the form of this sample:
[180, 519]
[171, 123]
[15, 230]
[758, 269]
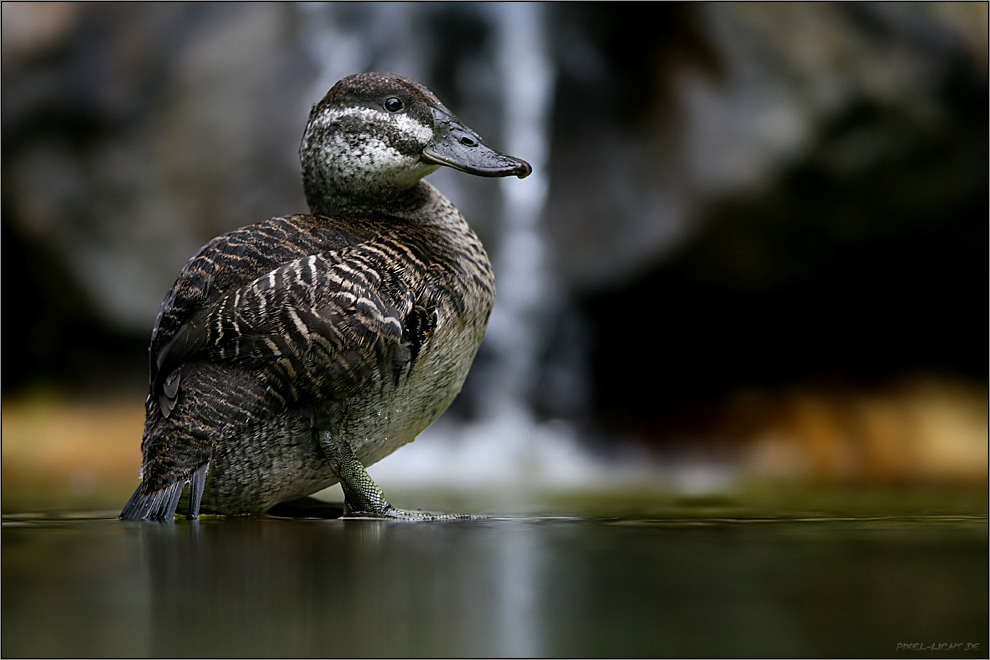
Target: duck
[293, 353]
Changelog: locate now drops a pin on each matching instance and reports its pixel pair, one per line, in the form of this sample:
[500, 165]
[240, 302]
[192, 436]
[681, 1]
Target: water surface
[539, 586]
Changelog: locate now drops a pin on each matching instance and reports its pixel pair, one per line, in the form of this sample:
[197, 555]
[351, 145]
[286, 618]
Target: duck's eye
[393, 104]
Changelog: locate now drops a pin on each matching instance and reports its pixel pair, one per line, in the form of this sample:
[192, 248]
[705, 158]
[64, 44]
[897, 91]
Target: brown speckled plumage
[292, 352]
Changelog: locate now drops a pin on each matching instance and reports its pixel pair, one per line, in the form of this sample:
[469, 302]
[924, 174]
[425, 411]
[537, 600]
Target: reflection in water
[492, 588]
[516, 575]
[329, 588]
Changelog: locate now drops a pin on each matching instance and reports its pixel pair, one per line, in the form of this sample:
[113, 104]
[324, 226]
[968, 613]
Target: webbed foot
[389, 512]
[362, 496]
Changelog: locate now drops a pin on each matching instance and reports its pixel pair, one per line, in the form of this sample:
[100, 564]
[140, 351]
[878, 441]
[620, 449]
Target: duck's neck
[422, 203]
[330, 200]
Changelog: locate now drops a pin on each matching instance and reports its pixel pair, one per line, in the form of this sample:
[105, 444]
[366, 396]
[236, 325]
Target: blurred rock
[138, 133]
[659, 118]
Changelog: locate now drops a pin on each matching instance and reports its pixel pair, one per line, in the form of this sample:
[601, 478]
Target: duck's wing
[315, 328]
[226, 264]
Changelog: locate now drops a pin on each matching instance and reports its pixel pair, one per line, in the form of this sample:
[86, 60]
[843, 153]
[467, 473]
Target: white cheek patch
[404, 123]
[371, 163]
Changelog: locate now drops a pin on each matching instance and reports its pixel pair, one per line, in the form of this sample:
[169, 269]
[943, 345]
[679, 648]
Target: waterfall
[523, 278]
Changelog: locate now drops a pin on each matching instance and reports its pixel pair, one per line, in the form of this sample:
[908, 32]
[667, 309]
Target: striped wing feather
[316, 327]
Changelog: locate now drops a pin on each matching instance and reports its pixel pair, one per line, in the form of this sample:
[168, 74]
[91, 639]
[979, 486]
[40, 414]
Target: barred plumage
[293, 352]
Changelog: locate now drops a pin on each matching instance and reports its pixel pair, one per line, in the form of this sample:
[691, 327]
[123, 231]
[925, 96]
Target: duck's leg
[362, 496]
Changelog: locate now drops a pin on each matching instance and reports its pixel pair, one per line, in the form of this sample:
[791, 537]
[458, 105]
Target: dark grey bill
[455, 145]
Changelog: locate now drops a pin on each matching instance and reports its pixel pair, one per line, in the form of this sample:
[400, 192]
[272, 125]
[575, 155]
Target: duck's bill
[457, 146]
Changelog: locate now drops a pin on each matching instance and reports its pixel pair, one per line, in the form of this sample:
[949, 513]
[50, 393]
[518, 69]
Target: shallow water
[538, 586]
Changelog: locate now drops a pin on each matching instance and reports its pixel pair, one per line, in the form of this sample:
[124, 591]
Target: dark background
[760, 220]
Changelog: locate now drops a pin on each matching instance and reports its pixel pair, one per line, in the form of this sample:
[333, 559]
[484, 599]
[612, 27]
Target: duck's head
[375, 135]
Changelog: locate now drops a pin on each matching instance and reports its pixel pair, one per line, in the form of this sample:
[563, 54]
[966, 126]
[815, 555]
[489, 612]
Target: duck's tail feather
[197, 483]
[153, 505]
[161, 504]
